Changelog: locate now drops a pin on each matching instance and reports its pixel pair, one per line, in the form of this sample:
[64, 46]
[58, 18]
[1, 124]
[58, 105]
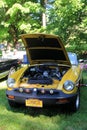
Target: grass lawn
[42, 119]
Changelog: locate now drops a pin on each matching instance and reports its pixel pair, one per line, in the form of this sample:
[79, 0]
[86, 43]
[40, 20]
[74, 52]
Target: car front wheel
[75, 104]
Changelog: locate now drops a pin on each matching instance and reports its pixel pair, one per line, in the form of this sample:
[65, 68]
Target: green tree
[69, 19]
[20, 17]
[3, 30]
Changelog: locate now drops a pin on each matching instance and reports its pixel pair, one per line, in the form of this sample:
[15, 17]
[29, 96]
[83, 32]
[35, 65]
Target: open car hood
[44, 48]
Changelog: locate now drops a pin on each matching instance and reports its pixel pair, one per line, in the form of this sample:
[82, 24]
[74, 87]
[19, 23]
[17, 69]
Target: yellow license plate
[34, 103]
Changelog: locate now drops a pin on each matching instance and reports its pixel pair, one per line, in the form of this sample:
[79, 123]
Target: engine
[42, 74]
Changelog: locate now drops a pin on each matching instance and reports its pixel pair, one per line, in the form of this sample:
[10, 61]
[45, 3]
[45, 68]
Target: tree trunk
[43, 4]
[13, 31]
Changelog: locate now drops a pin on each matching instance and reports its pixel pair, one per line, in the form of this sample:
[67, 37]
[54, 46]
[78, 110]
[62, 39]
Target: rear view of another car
[52, 76]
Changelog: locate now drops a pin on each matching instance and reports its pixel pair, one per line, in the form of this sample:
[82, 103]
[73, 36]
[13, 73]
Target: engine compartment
[44, 74]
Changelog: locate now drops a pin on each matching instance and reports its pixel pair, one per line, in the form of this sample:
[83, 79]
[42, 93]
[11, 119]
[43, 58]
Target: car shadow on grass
[47, 110]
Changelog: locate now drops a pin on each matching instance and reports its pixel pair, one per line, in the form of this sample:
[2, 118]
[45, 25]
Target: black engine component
[42, 74]
[40, 81]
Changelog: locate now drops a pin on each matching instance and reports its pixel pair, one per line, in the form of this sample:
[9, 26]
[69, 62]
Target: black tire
[75, 104]
[13, 104]
[12, 70]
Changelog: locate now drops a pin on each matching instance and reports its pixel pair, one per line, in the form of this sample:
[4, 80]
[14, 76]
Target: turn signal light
[10, 96]
[63, 101]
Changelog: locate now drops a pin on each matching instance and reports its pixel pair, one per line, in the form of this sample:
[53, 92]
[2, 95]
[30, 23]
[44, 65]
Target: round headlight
[10, 82]
[68, 85]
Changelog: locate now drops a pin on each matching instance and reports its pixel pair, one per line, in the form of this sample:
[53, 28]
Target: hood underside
[44, 48]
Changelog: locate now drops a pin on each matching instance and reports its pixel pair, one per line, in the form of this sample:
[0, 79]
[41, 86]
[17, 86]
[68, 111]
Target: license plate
[34, 103]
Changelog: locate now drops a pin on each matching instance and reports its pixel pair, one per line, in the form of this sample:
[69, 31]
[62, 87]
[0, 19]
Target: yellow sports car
[52, 76]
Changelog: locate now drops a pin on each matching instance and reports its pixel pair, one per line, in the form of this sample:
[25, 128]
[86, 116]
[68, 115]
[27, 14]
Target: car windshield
[73, 58]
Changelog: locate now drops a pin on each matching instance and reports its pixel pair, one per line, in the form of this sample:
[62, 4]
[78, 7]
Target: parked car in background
[8, 66]
[51, 78]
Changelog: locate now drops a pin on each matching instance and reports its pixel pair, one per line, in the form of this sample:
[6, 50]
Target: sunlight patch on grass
[39, 123]
[20, 121]
[3, 85]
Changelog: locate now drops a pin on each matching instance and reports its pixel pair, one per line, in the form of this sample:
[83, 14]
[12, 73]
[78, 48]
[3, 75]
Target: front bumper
[57, 97]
